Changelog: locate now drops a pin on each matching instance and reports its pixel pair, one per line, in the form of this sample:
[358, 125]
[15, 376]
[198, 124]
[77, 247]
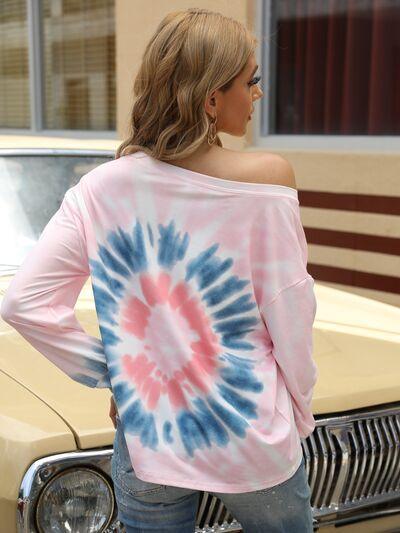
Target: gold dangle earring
[212, 131]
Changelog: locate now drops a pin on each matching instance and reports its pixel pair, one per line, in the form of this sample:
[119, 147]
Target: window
[14, 75]
[79, 64]
[333, 69]
[71, 49]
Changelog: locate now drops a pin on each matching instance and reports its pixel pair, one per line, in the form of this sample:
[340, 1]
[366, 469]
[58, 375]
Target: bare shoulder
[265, 167]
[256, 167]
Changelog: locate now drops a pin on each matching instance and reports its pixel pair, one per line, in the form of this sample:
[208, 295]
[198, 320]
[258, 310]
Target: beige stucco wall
[316, 171]
[358, 173]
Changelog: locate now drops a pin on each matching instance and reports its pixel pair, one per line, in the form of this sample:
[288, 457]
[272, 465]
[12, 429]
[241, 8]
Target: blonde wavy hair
[191, 53]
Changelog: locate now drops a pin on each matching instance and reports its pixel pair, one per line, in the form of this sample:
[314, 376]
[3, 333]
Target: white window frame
[261, 135]
[36, 86]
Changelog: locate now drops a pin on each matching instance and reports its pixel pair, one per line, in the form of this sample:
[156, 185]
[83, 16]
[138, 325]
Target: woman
[198, 261]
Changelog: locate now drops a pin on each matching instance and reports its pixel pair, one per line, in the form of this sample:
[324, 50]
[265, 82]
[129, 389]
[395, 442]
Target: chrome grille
[213, 516]
[352, 463]
[353, 460]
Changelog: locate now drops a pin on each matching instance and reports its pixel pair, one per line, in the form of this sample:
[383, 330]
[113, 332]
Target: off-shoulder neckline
[206, 179]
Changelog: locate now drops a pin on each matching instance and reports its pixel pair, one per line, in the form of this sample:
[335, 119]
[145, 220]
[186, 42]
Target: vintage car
[56, 436]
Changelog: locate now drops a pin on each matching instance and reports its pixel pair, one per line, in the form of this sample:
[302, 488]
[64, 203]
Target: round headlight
[78, 500]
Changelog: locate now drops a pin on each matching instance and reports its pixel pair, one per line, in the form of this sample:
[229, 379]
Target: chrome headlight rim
[65, 471]
[44, 469]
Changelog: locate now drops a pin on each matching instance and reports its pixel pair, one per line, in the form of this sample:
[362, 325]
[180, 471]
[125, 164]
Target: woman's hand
[113, 412]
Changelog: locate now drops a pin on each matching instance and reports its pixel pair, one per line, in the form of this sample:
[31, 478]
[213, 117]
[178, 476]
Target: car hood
[356, 349]
[83, 409]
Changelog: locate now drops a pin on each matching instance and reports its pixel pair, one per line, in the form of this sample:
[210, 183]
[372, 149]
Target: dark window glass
[337, 67]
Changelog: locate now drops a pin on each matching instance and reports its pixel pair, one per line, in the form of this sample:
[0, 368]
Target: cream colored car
[56, 436]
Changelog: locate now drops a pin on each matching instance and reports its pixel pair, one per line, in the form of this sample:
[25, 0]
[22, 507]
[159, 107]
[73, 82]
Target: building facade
[331, 82]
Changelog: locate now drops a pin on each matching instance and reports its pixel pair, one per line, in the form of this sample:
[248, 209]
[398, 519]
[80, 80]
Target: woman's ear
[211, 104]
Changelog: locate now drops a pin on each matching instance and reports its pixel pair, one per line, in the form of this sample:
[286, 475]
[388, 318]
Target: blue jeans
[144, 507]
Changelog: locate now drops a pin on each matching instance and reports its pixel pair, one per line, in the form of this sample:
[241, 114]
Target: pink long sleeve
[40, 299]
[287, 302]
[289, 319]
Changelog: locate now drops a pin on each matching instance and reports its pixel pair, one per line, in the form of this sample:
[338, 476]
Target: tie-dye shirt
[205, 310]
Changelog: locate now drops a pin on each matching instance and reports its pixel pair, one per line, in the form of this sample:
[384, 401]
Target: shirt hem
[218, 487]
